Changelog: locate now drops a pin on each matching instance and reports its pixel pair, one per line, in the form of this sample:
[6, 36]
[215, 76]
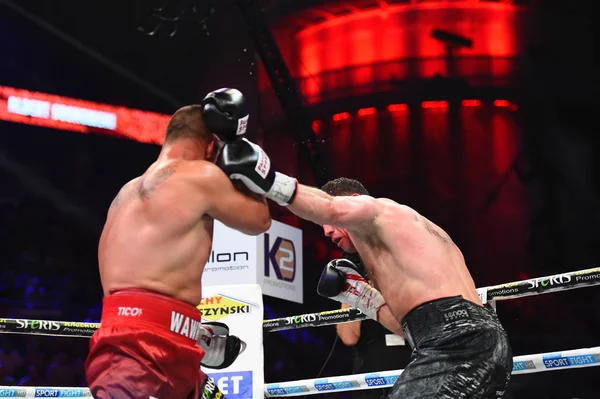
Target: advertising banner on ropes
[241, 308]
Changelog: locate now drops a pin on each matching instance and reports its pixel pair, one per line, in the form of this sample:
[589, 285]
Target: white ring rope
[517, 289]
[576, 358]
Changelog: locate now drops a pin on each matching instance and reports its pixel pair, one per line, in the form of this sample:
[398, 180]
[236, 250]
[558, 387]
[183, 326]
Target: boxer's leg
[134, 364]
[121, 377]
[473, 368]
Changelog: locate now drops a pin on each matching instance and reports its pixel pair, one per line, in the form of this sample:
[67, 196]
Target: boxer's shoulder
[202, 174]
[182, 171]
[156, 176]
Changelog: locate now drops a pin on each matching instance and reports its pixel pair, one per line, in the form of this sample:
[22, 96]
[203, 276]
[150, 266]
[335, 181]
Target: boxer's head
[342, 187]
[187, 125]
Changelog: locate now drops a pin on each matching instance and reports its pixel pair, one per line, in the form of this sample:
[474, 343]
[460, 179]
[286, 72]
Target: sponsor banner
[47, 327]
[41, 392]
[241, 308]
[514, 289]
[380, 380]
[590, 276]
[557, 282]
[44, 392]
[281, 257]
[235, 384]
[329, 317]
[547, 282]
[233, 259]
[525, 365]
[10, 392]
[325, 384]
[559, 360]
[273, 260]
[64, 113]
[277, 390]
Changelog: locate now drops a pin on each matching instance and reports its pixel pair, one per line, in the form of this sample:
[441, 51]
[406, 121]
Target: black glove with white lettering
[243, 160]
[220, 348]
[225, 113]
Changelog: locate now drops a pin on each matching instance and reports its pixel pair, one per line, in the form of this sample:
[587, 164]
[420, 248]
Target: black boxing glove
[243, 160]
[220, 348]
[355, 258]
[341, 281]
[225, 113]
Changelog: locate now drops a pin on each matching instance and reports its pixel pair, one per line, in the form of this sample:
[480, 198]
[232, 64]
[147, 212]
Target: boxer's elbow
[265, 223]
[336, 212]
[262, 220]
[329, 213]
[349, 333]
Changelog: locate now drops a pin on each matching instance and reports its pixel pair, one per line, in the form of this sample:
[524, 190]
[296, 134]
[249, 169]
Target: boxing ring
[534, 363]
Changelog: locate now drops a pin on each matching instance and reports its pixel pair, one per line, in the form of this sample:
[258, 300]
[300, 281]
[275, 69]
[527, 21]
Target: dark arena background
[481, 115]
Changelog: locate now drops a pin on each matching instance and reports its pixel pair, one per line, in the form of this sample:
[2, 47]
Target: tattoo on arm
[433, 231]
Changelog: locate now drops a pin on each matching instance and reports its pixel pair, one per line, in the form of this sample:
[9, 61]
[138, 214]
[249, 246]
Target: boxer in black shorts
[460, 348]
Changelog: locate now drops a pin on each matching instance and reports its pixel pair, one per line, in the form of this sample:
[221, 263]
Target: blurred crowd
[42, 269]
[42, 361]
[43, 277]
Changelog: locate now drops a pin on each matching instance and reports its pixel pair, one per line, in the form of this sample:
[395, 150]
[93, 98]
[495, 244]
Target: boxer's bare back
[158, 233]
[411, 259]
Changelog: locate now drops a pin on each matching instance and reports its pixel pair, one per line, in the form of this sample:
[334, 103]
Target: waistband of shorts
[431, 319]
[163, 314]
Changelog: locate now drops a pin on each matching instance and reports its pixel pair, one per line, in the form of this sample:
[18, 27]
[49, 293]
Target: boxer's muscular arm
[389, 321]
[315, 205]
[223, 202]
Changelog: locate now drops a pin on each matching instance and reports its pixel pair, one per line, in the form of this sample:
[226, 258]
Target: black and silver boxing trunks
[460, 351]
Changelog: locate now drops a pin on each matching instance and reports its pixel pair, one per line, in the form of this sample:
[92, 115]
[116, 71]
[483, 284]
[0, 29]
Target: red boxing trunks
[146, 348]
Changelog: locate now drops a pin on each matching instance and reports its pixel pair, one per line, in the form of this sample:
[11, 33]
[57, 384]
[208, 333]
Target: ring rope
[517, 289]
[541, 362]
[576, 358]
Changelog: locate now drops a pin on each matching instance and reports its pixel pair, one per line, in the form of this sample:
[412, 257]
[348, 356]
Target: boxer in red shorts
[152, 252]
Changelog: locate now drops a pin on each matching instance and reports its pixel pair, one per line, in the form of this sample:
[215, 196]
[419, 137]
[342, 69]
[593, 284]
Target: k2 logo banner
[282, 256]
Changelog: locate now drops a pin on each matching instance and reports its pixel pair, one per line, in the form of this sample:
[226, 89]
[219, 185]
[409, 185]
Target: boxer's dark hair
[344, 186]
[188, 122]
